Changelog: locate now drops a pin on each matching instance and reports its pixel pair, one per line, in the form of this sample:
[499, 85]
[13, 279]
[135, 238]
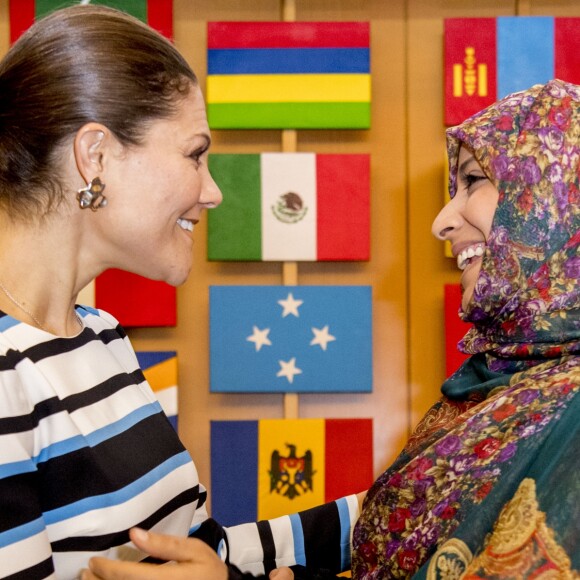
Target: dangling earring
[92, 195]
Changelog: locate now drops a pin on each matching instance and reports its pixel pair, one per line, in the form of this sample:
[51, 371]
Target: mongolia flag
[160, 370]
[273, 467]
[455, 329]
[301, 339]
[157, 13]
[290, 207]
[134, 300]
[489, 58]
[288, 75]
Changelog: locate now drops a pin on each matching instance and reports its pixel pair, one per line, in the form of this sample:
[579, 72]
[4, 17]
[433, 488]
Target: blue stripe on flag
[288, 61]
[22, 532]
[149, 358]
[344, 516]
[234, 471]
[120, 496]
[525, 52]
[298, 536]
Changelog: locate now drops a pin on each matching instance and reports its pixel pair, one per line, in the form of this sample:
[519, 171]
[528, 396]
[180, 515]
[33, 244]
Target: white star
[290, 305]
[259, 337]
[288, 369]
[321, 337]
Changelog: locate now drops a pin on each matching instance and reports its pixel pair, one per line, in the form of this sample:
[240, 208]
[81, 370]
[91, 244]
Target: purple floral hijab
[526, 300]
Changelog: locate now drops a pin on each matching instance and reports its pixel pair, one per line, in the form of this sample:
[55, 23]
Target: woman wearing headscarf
[488, 484]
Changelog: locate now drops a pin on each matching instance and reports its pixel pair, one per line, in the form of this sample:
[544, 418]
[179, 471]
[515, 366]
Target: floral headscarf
[525, 304]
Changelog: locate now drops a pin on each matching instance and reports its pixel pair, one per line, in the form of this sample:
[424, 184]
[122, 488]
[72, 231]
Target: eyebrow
[462, 167]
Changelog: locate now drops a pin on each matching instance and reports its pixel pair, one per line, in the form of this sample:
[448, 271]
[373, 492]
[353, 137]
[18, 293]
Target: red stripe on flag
[160, 16]
[21, 17]
[288, 35]
[470, 67]
[455, 329]
[349, 457]
[134, 300]
[567, 49]
[343, 207]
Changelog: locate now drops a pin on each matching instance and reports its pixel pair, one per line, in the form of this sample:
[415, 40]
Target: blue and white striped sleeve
[318, 538]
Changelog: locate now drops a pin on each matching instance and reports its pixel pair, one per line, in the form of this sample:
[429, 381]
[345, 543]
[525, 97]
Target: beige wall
[407, 269]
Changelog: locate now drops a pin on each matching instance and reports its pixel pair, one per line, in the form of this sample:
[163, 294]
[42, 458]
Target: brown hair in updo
[79, 64]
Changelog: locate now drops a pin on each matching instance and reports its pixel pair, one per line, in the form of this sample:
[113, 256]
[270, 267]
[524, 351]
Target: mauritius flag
[489, 58]
[288, 75]
[157, 13]
[300, 339]
[160, 370]
[273, 467]
[290, 207]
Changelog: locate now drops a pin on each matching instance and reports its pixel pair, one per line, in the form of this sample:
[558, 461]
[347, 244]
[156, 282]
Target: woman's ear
[90, 148]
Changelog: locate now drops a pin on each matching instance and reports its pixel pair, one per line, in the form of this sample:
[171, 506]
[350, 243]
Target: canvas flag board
[160, 370]
[134, 300]
[288, 75]
[272, 467]
[157, 13]
[455, 328]
[487, 59]
[301, 339]
[290, 207]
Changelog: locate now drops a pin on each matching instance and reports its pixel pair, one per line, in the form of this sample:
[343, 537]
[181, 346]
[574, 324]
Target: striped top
[86, 453]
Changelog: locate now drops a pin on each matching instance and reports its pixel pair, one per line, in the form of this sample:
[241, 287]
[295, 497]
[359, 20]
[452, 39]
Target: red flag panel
[470, 67]
[134, 300]
[567, 49]
[455, 329]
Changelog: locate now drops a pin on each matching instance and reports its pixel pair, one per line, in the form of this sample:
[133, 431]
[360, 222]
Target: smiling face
[466, 220]
[156, 193]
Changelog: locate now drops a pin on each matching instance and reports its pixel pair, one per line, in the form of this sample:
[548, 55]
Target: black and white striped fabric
[86, 453]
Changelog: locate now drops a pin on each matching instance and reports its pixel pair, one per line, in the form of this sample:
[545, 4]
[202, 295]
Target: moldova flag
[157, 13]
[455, 329]
[290, 207]
[282, 339]
[273, 467]
[288, 75]
[134, 300]
[160, 370]
[489, 58]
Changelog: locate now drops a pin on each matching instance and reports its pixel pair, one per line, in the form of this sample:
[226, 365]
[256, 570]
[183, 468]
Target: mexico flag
[273, 467]
[290, 207]
[288, 75]
[157, 13]
[486, 59]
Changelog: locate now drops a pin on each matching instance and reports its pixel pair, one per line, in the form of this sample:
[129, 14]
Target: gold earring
[92, 195]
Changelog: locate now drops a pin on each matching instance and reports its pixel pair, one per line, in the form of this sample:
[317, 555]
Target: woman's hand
[191, 559]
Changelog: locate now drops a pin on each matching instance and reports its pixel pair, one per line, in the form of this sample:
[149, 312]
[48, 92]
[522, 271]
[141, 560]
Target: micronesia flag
[160, 370]
[489, 58]
[288, 75]
[157, 13]
[273, 467]
[290, 207]
[301, 339]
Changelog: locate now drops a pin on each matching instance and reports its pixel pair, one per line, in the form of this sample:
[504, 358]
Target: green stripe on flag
[289, 115]
[137, 8]
[235, 227]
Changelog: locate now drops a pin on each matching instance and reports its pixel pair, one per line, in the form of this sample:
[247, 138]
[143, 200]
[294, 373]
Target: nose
[211, 195]
[447, 220]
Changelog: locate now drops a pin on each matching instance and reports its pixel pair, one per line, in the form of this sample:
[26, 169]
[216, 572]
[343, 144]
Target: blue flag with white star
[290, 339]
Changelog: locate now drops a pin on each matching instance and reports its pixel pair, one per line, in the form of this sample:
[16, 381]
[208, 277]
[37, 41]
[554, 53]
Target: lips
[466, 256]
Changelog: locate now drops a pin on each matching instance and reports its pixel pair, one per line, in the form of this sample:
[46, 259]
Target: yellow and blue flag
[301, 339]
[160, 370]
[272, 467]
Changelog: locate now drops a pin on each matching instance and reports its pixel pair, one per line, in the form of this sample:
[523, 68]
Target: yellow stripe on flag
[162, 375]
[457, 80]
[332, 88]
[290, 465]
[482, 80]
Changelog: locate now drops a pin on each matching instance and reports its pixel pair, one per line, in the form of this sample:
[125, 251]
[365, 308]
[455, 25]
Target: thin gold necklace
[29, 313]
